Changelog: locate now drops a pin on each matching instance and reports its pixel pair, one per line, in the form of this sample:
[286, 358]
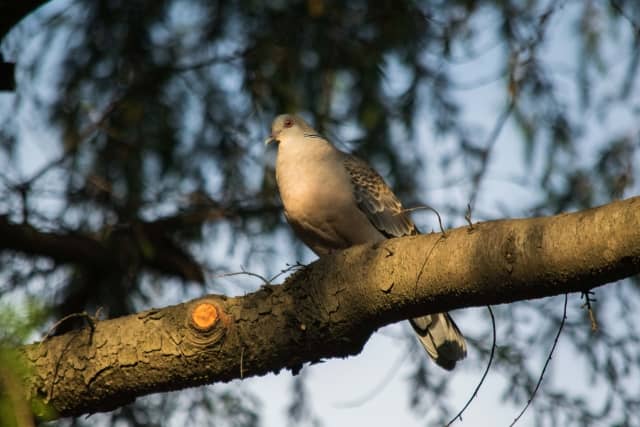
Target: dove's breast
[318, 198]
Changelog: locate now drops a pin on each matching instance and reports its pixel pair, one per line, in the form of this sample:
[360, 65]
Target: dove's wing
[377, 201]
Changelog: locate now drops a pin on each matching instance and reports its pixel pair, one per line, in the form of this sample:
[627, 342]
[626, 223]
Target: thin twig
[244, 273]
[297, 266]
[90, 320]
[265, 281]
[56, 369]
[484, 375]
[424, 263]
[587, 304]
[417, 208]
[467, 217]
[546, 364]
[92, 325]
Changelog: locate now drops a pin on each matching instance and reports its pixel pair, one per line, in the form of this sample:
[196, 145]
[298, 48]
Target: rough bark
[330, 308]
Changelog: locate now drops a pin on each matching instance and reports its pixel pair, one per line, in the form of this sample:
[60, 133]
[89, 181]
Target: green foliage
[19, 322]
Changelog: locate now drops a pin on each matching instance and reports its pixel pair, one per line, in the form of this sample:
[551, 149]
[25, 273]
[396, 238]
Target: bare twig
[484, 375]
[546, 364]
[467, 217]
[297, 266]
[245, 273]
[417, 208]
[91, 321]
[424, 262]
[587, 304]
[266, 281]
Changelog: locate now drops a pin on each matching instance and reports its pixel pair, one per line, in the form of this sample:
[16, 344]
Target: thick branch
[332, 307]
[61, 247]
[155, 250]
[152, 241]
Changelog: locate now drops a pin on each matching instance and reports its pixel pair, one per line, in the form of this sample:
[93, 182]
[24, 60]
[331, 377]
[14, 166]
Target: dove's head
[289, 127]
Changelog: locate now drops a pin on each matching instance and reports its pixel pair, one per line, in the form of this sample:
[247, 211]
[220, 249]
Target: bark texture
[330, 308]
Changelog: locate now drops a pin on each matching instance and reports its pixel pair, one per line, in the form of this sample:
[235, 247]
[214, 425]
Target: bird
[334, 200]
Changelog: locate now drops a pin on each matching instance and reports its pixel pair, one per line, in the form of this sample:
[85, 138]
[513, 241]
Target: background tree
[130, 151]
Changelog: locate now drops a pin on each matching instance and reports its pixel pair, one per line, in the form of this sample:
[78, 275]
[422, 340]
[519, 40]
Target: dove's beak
[271, 139]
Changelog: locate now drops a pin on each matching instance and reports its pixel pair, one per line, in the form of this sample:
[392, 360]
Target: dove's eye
[288, 122]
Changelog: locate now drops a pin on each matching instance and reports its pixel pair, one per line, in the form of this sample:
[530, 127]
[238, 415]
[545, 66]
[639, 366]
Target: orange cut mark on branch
[204, 316]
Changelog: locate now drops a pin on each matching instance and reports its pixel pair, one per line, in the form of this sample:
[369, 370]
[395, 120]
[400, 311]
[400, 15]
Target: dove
[334, 200]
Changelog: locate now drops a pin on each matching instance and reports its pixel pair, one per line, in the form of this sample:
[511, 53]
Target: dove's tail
[441, 338]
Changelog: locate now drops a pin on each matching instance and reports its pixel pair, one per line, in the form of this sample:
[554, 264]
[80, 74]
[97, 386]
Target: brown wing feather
[377, 201]
[438, 334]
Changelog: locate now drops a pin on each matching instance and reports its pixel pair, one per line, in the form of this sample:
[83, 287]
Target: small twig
[417, 208]
[241, 361]
[266, 281]
[546, 364]
[467, 217]
[424, 263]
[587, 304]
[57, 367]
[91, 320]
[484, 375]
[298, 265]
[245, 273]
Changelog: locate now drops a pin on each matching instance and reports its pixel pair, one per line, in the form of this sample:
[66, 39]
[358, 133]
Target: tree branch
[61, 247]
[151, 241]
[332, 307]
[155, 251]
